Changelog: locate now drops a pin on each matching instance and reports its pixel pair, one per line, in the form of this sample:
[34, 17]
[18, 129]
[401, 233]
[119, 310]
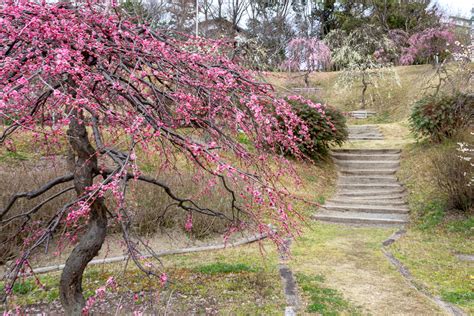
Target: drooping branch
[183, 203]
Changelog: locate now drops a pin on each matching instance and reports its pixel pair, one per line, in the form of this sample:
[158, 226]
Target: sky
[457, 7]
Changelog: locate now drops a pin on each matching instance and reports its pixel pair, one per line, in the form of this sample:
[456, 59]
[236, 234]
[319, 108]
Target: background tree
[407, 15]
[361, 52]
[269, 24]
[430, 44]
[308, 54]
[119, 89]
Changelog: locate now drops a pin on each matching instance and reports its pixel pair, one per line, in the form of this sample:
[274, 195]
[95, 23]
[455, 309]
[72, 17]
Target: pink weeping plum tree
[309, 54]
[427, 44]
[112, 89]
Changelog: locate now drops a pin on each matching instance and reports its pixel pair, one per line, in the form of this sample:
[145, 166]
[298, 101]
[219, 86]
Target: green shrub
[322, 134]
[440, 117]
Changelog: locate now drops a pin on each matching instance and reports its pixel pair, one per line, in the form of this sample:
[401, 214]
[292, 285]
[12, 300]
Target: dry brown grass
[149, 205]
[22, 176]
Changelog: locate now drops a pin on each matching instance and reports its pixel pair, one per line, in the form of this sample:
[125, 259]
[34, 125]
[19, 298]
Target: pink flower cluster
[427, 43]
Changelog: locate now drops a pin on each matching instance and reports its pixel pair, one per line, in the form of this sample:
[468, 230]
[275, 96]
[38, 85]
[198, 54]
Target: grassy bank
[390, 94]
[437, 235]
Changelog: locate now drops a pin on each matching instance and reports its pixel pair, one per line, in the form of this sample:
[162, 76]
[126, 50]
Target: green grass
[391, 95]
[322, 299]
[238, 281]
[9, 156]
[222, 267]
[460, 297]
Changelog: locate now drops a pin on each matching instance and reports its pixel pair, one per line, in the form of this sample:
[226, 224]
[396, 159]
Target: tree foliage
[427, 44]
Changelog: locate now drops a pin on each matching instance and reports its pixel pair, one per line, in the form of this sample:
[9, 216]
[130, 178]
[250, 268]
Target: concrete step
[354, 132]
[368, 179]
[370, 193]
[363, 127]
[368, 151]
[365, 138]
[366, 157]
[361, 218]
[349, 201]
[369, 186]
[360, 164]
[367, 172]
[393, 196]
[365, 208]
[365, 133]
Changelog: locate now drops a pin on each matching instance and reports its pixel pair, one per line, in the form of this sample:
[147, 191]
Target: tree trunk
[364, 89]
[306, 79]
[90, 243]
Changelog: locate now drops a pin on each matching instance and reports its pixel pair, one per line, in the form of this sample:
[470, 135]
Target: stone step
[367, 172]
[370, 193]
[365, 138]
[361, 218]
[368, 151]
[363, 126]
[369, 186]
[376, 202]
[365, 133]
[365, 157]
[360, 164]
[368, 179]
[393, 196]
[365, 208]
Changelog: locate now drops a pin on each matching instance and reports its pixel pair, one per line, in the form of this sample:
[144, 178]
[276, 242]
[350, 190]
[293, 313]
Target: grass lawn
[239, 281]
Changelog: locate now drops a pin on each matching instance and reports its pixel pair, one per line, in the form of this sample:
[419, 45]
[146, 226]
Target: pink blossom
[22, 80]
[189, 223]
[163, 279]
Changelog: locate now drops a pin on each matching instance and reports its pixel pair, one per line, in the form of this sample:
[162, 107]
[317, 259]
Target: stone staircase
[364, 132]
[368, 191]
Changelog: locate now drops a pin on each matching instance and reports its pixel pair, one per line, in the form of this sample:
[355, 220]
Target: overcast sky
[457, 7]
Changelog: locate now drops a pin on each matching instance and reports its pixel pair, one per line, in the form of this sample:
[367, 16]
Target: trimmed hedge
[440, 117]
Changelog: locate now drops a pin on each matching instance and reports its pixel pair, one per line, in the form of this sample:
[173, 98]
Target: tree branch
[32, 194]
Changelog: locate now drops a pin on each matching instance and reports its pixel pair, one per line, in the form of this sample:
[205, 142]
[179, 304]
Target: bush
[327, 126]
[440, 117]
[453, 173]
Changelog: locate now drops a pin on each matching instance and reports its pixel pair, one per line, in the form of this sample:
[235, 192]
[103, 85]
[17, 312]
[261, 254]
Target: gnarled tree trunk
[90, 243]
